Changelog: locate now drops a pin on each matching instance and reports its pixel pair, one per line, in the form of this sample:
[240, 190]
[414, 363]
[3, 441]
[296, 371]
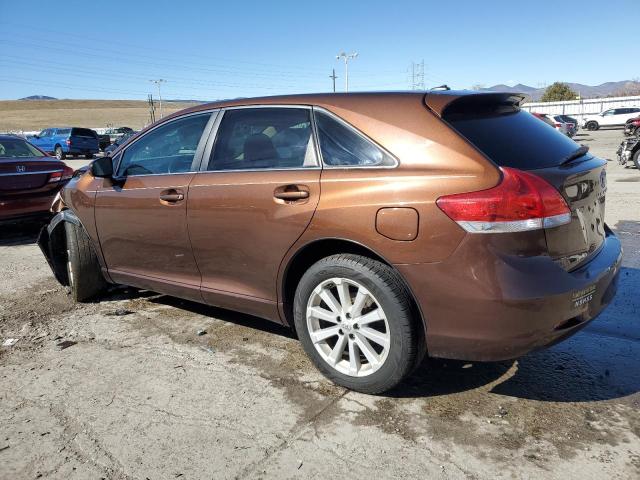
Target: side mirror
[102, 167]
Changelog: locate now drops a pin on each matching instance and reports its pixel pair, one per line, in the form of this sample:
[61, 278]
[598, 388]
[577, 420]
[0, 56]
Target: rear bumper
[24, 207]
[82, 151]
[499, 307]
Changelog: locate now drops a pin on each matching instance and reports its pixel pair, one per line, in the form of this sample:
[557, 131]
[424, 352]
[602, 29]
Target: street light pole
[346, 57]
[158, 82]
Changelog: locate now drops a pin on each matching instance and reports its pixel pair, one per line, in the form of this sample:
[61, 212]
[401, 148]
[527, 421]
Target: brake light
[68, 141]
[522, 201]
[558, 125]
[65, 174]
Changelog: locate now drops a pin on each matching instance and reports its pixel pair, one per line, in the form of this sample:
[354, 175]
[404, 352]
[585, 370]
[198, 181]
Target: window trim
[357, 132]
[197, 157]
[214, 138]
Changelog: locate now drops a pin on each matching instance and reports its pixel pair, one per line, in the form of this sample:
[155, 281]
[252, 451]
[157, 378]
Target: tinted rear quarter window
[509, 136]
[341, 145]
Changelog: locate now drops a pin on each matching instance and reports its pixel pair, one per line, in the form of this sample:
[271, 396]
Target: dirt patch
[28, 316]
[269, 348]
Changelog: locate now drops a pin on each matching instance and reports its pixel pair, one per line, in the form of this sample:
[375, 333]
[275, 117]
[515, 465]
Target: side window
[343, 146]
[264, 138]
[169, 148]
[44, 133]
[609, 112]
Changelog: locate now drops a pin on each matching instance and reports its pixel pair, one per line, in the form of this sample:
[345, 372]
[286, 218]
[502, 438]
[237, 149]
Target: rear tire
[89, 156]
[85, 276]
[592, 126]
[341, 356]
[60, 155]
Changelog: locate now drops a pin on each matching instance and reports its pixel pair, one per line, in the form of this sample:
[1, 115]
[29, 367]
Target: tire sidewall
[398, 319]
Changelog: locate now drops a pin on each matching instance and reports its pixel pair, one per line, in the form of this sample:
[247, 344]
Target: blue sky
[209, 50]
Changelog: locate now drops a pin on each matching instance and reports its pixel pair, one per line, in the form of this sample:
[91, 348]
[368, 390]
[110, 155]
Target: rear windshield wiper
[577, 154]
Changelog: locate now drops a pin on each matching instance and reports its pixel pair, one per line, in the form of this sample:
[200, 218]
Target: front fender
[52, 241]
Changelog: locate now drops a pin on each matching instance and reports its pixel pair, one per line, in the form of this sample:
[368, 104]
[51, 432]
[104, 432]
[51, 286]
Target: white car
[610, 118]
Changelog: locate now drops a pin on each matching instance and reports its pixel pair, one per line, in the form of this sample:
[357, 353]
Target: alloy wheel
[348, 327]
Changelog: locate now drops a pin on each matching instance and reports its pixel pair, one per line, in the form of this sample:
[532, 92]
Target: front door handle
[171, 196]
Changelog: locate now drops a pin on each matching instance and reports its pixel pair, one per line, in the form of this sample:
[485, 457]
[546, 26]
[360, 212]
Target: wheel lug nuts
[340, 332]
[355, 326]
[351, 336]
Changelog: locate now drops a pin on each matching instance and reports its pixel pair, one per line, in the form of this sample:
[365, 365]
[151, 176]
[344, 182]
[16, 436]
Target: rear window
[83, 132]
[509, 136]
[18, 148]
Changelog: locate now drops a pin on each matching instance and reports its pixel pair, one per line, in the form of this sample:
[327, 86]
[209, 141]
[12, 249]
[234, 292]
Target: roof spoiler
[444, 102]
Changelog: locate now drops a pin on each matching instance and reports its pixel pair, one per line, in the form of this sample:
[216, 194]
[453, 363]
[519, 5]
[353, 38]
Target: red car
[632, 127]
[29, 179]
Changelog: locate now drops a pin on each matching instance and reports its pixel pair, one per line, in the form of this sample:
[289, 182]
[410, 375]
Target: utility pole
[152, 109]
[417, 76]
[159, 82]
[333, 77]
[346, 57]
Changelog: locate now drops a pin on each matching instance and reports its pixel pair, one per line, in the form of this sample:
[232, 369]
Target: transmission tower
[417, 76]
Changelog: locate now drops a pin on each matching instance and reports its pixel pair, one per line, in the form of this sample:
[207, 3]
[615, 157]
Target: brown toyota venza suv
[380, 226]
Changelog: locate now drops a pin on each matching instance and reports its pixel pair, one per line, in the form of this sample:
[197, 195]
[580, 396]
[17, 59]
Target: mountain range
[607, 89]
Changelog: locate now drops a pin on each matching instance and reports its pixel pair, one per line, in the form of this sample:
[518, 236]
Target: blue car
[67, 141]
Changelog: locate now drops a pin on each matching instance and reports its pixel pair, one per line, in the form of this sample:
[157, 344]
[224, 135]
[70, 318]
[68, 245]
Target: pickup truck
[67, 141]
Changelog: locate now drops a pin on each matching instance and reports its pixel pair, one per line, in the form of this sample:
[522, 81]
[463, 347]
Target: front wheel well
[58, 252]
[315, 251]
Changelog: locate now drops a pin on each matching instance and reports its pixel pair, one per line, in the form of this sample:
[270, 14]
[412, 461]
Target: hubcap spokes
[348, 327]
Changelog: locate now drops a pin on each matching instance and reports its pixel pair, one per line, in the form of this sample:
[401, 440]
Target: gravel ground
[125, 388]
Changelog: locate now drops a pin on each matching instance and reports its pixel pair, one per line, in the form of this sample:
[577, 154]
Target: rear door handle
[171, 196]
[292, 195]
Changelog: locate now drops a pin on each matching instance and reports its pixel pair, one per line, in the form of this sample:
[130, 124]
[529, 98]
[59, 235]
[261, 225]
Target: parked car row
[563, 123]
[76, 141]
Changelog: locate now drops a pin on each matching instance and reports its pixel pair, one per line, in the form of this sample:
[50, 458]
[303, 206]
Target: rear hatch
[18, 175]
[511, 137]
[83, 139]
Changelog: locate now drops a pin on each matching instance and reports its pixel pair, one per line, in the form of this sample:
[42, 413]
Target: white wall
[579, 108]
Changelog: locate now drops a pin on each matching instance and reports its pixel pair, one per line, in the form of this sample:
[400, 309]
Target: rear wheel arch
[314, 251]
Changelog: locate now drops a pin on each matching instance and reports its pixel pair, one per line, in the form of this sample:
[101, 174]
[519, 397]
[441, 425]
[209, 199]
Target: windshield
[18, 148]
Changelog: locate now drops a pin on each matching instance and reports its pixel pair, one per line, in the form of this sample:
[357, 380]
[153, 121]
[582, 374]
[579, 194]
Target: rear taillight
[558, 125]
[68, 141]
[520, 202]
[65, 174]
